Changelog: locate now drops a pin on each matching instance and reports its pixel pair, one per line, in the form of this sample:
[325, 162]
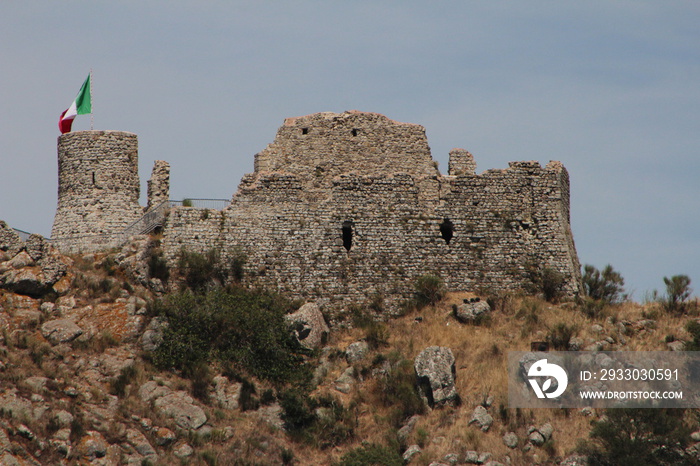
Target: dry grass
[481, 353]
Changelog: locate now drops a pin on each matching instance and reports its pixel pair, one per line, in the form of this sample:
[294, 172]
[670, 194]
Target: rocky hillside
[102, 362]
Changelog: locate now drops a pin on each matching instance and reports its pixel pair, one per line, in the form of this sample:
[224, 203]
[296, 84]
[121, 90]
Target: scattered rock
[63, 418]
[61, 331]
[471, 457]
[152, 390]
[435, 368]
[225, 393]
[546, 430]
[140, 443]
[576, 344]
[92, 446]
[482, 418]
[344, 383]
[575, 460]
[451, 459]
[153, 334]
[36, 383]
[183, 450]
[272, 415]
[676, 345]
[510, 439]
[407, 428]
[356, 351]
[536, 438]
[472, 312]
[309, 326]
[24, 431]
[597, 328]
[180, 406]
[410, 452]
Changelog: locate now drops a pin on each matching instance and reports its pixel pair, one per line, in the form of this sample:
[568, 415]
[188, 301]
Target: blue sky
[608, 88]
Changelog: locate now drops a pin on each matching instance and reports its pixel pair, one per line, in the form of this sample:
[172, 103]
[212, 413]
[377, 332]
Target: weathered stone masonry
[99, 188]
[376, 178]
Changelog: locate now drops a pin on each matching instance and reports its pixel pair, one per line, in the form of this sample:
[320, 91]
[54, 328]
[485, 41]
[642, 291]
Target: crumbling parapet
[317, 147]
[10, 241]
[159, 184]
[461, 163]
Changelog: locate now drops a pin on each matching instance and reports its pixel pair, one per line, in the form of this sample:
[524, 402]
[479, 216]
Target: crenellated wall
[319, 178]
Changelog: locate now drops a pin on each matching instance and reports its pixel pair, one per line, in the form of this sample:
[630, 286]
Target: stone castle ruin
[340, 209]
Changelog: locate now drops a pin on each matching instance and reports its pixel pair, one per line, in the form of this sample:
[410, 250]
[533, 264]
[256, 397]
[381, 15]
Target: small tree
[677, 293]
[607, 286]
[430, 289]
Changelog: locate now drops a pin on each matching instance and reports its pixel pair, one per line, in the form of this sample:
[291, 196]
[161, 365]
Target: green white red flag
[82, 105]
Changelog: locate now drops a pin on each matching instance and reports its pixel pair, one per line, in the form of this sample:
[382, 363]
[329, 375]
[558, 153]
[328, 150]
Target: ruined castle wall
[504, 222]
[292, 217]
[98, 187]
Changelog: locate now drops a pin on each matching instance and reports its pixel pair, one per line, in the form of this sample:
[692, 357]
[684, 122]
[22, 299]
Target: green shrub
[693, 328]
[592, 308]
[560, 335]
[201, 380]
[287, 457]
[202, 271]
[547, 281]
[399, 390]
[639, 436]
[429, 290]
[236, 264]
[551, 284]
[677, 293]
[377, 335]
[158, 266]
[244, 327]
[372, 454]
[321, 421]
[606, 285]
[126, 377]
[297, 411]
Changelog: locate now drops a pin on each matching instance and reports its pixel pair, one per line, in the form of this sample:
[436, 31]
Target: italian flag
[82, 105]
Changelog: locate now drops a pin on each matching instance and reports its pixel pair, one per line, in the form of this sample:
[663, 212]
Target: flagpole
[92, 111]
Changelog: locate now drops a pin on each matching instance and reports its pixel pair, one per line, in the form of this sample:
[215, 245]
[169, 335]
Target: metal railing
[218, 204]
[23, 235]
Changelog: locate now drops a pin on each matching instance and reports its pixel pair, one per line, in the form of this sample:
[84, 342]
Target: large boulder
[33, 268]
[482, 418]
[180, 406]
[435, 368]
[61, 331]
[309, 326]
[472, 312]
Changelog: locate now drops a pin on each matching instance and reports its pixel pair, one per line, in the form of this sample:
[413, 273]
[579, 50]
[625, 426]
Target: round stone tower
[98, 188]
